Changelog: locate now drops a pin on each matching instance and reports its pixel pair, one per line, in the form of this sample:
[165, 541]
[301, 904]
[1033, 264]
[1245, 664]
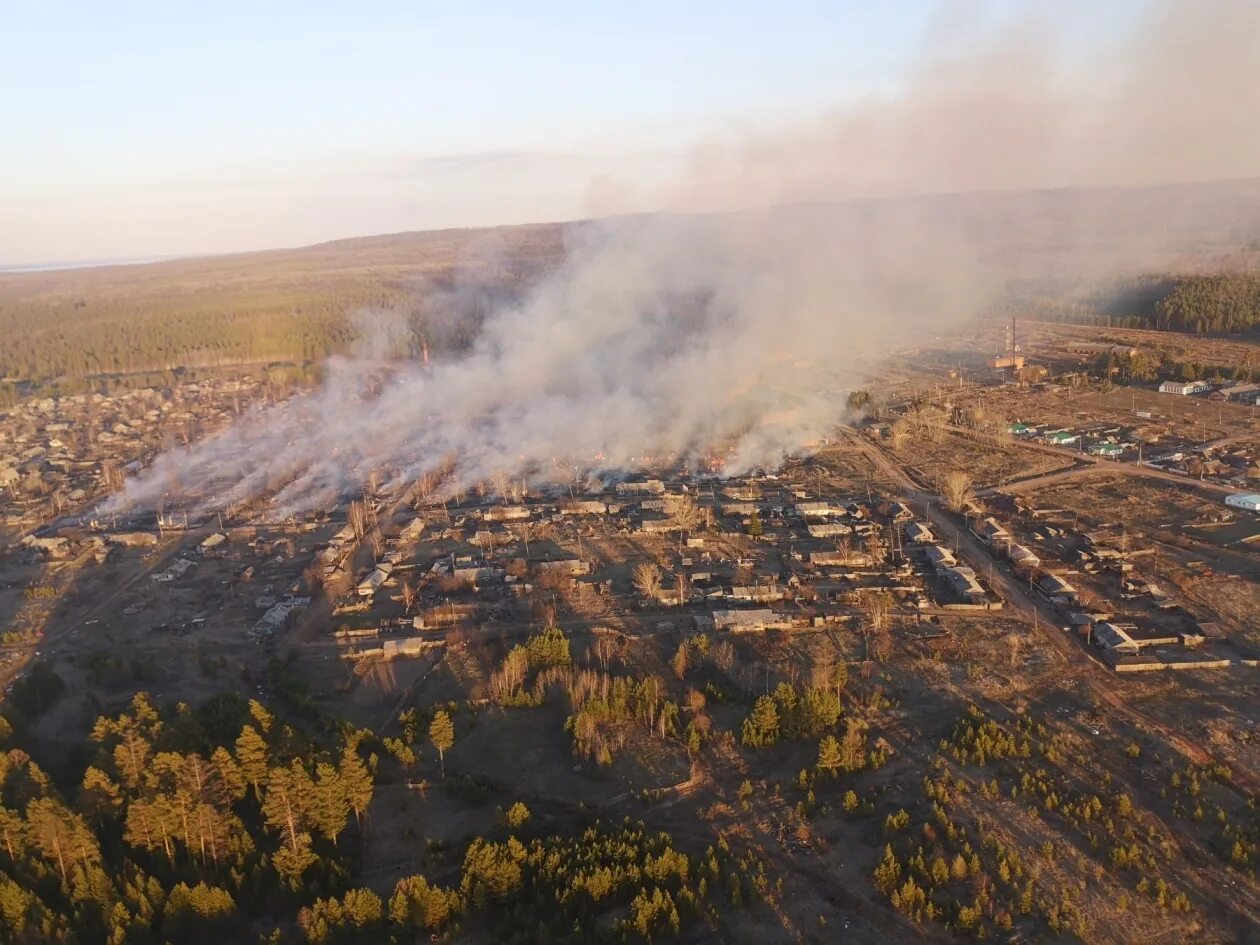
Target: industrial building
[1245, 500]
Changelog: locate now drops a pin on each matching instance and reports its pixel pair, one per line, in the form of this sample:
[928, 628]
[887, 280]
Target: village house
[919, 533]
[645, 487]
[828, 530]
[748, 621]
[1183, 388]
[963, 582]
[1056, 588]
[939, 558]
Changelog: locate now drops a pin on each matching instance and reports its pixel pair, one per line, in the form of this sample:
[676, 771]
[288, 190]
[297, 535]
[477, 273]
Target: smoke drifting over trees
[663, 334]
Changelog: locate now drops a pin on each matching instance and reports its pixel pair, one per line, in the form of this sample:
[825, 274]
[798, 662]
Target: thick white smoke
[658, 338]
[662, 336]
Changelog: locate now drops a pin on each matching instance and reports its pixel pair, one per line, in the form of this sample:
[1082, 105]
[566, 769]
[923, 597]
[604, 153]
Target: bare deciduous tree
[821, 664]
[647, 579]
[878, 607]
[956, 489]
[499, 479]
[694, 700]
[604, 649]
[1014, 643]
[357, 516]
[682, 584]
[687, 515]
[680, 661]
[724, 656]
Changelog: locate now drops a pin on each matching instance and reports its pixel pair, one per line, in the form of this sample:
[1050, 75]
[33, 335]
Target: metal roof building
[1246, 500]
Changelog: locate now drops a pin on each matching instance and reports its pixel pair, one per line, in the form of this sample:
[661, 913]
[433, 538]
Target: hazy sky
[137, 129]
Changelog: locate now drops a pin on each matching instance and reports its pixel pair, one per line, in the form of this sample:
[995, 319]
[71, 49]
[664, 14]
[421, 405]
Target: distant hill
[292, 304]
[248, 308]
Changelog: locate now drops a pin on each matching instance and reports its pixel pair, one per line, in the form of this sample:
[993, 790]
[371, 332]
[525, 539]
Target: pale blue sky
[136, 129]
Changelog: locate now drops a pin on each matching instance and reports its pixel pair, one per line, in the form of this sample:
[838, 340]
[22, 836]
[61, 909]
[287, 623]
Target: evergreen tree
[442, 734]
[356, 781]
[331, 807]
[287, 805]
[829, 757]
[253, 757]
[761, 728]
[60, 835]
[99, 797]
[417, 903]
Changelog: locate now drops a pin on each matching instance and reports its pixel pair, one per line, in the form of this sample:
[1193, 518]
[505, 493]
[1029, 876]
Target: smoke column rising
[663, 334]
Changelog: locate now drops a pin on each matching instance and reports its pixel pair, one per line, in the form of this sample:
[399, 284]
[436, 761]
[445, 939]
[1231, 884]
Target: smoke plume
[798, 255]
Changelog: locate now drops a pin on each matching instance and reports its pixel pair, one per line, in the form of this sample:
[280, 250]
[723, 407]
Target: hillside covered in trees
[286, 305]
[300, 305]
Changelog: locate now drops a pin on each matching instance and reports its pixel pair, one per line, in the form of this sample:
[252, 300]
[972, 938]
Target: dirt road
[1110, 468]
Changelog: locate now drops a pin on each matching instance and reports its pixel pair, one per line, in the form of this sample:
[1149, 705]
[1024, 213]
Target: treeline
[286, 306]
[103, 336]
[1217, 304]
[1141, 366]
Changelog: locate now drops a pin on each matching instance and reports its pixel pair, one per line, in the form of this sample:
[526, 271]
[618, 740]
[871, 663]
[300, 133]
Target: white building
[828, 530]
[814, 509]
[1183, 387]
[1247, 500]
